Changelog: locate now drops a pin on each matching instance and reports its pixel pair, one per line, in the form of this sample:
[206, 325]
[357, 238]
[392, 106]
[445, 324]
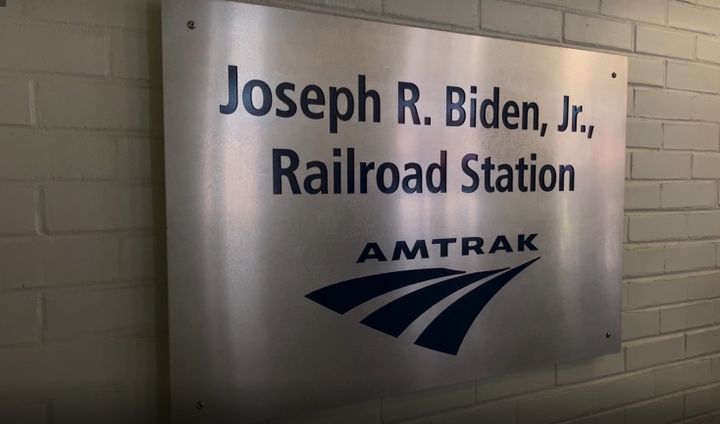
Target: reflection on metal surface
[460, 197]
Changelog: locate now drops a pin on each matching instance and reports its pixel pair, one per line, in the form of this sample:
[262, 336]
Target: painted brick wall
[83, 333]
[83, 327]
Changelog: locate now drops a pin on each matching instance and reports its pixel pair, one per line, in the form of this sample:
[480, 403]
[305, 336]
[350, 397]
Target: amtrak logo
[447, 331]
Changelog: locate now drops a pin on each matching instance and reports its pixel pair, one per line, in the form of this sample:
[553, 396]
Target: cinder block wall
[83, 328]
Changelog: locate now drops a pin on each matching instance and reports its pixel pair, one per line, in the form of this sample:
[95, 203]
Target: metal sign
[356, 209]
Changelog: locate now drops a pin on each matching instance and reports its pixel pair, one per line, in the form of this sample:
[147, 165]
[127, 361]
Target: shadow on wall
[157, 164]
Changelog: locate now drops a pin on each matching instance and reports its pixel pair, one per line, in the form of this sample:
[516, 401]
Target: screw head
[614, 75]
[199, 405]
[191, 24]
[608, 335]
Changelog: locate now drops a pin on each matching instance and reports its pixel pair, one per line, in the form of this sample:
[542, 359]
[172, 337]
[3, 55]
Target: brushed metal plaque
[357, 209]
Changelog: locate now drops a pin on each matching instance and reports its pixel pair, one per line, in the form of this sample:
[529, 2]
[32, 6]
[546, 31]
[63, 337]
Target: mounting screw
[199, 405]
[191, 24]
[608, 335]
[613, 74]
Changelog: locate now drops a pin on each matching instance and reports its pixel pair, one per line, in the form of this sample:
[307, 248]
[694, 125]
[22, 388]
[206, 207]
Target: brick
[591, 369]
[703, 286]
[554, 406]
[624, 295]
[141, 159]
[23, 412]
[98, 105]
[622, 390]
[693, 18]
[665, 42]
[638, 10]
[628, 164]
[589, 30]
[630, 107]
[704, 224]
[19, 266]
[684, 317]
[709, 3]
[500, 413]
[78, 259]
[689, 257]
[659, 292]
[374, 6]
[514, 384]
[643, 70]
[705, 107]
[610, 417]
[708, 49]
[689, 194]
[705, 419]
[701, 401]
[716, 368]
[136, 55]
[361, 413]
[17, 214]
[662, 104]
[14, 101]
[463, 13]
[703, 342]
[717, 312]
[691, 136]
[98, 206]
[52, 48]
[640, 324]
[586, 5]
[706, 165]
[693, 76]
[681, 377]
[660, 411]
[521, 19]
[11, 10]
[642, 133]
[29, 154]
[637, 262]
[63, 366]
[626, 230]
[642, 196]
[18, 318]
[661, 165]
[655, 226]
[53, 261]
[113, 403]
[85, 311]
[139, 14]
[140, 257]
[426, 402]
[643, 354]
